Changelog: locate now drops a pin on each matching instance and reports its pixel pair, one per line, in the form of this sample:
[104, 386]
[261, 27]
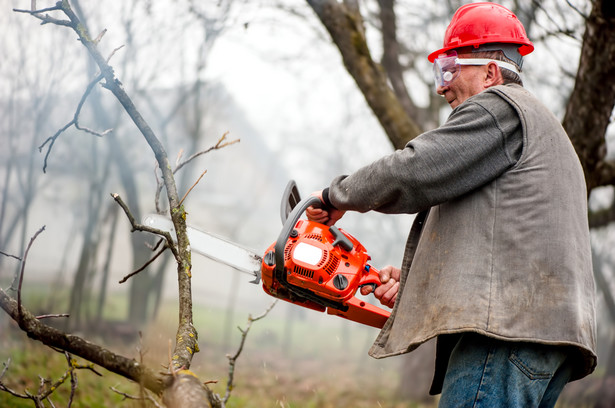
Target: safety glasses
[446, 67]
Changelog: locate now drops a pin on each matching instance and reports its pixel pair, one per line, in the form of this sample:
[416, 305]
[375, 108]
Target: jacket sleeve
[480, 140]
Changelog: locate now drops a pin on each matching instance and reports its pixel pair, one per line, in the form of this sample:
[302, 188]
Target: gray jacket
[501, 244]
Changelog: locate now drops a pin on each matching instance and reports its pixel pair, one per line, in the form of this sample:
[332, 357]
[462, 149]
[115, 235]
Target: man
[497, 265]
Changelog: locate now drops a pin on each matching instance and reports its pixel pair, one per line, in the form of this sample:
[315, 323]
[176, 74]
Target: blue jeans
[485, 372]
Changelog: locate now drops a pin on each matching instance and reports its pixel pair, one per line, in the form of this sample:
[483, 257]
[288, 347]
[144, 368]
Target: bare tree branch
[191, 187]
[140, 227]
[76, 345]
[19, 278]
[74, 122]
[46, 19]
[49, 316]
[221, 143]
[130, 275]
[148, 397]
[46, 386]
[10, 256]
[233, 359]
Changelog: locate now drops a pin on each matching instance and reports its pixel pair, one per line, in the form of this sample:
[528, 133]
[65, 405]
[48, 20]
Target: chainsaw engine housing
[323, 267]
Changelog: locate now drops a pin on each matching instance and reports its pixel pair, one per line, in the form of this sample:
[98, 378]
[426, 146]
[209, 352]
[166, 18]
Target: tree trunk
[345, 25]
[591, 103]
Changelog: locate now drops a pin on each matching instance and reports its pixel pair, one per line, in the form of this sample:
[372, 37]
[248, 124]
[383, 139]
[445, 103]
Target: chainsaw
[310, 264]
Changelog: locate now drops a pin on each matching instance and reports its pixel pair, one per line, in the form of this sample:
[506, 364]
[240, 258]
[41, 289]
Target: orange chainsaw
[310, 264]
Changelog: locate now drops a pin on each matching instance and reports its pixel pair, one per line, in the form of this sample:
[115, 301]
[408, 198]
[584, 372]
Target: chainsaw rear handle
[372, 279]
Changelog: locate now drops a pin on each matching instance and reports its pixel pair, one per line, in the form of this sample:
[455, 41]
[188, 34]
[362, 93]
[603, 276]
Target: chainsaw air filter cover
[325, 260]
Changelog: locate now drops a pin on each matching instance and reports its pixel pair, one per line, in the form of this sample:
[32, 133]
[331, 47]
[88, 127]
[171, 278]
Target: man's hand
[387, 292]
[327, 216]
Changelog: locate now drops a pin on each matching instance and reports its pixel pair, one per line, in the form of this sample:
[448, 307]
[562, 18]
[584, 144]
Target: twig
[179, 156]
[22, 269]
[74, 122]
[233, 359]
[113, 53]
[154, 247]
[130, 275]
[73, 378]
[159, 185]
[48, 316]
[46, 19]
[6, 367]
[140, 227]
[10, 256]
[148, 397]
[171, 365]
[46, 386]
[190, 189]
[219, 145]
[99, 37]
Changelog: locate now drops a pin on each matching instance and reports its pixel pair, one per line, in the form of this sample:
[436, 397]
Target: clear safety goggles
[446, 67]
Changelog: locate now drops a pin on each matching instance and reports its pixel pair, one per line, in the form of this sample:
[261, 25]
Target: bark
[345, 25]
[590, 106]
[390, 57]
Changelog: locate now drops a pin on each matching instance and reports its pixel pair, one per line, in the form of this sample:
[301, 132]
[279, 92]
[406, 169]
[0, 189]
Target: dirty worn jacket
[508, 256]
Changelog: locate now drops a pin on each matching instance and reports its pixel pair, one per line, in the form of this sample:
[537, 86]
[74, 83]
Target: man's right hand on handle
[387, 292]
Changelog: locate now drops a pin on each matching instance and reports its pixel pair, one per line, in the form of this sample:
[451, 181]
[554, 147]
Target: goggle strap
[485, 61]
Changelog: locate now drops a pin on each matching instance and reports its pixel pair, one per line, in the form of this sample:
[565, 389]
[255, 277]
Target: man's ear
[493, 75]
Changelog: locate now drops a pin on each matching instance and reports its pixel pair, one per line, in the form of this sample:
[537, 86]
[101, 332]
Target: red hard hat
[484, 23]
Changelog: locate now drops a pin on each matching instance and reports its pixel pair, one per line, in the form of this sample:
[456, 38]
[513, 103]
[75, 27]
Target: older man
[497, 265]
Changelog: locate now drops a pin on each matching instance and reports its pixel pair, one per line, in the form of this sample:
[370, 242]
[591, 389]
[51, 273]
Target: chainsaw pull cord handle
[289, 225]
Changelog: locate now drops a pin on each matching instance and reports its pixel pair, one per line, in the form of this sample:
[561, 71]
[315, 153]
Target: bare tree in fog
[178, 387]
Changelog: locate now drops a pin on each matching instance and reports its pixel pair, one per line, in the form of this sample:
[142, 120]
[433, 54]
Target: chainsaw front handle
[288, 227]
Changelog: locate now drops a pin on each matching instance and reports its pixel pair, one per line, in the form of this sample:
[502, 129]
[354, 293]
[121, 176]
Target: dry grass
[289, 360]
[318, 362]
